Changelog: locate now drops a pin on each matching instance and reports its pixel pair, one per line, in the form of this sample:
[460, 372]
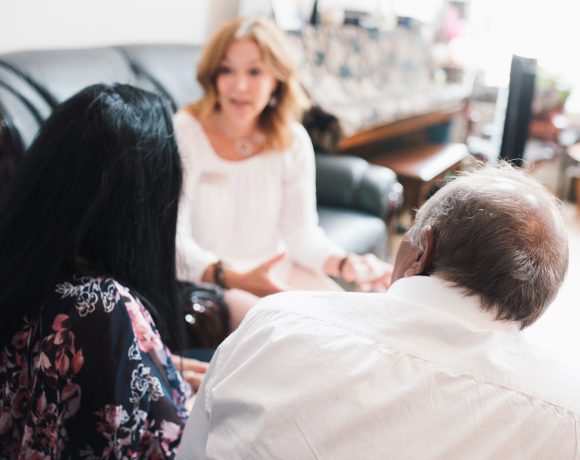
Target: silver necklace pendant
[244, 147]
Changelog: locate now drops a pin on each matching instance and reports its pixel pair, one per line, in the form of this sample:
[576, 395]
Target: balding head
[496, 233]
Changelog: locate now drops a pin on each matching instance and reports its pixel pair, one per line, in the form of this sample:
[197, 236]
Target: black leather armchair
[355, 198]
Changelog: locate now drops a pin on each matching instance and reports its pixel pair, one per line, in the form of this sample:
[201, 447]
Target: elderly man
[436, 368]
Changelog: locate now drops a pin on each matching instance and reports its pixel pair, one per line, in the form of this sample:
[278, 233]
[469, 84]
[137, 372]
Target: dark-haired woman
[87, 284]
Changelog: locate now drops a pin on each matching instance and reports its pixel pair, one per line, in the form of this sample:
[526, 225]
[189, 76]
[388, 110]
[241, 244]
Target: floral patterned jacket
[89, 378]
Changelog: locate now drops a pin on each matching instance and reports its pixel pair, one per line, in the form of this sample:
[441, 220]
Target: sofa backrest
[171, 67]
[32, 83]
[369, 78]
[361, 60]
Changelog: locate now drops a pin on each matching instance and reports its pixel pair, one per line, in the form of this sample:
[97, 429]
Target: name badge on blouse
[210, 177]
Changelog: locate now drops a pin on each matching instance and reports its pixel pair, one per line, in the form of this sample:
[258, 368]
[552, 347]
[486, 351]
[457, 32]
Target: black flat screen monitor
[518, 112]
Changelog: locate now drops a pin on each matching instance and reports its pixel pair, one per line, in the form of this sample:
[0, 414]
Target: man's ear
[424, 258]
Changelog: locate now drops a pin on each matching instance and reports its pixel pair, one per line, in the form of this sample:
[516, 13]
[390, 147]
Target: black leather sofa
[355, 199]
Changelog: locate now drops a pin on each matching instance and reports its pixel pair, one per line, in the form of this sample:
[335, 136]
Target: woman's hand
[368, 272]
[259, 280]
[191, 370]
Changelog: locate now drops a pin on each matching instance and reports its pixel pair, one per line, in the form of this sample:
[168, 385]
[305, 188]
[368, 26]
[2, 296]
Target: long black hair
[100, 183]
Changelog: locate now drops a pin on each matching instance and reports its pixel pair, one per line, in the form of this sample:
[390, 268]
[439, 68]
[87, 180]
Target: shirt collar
[438, 294]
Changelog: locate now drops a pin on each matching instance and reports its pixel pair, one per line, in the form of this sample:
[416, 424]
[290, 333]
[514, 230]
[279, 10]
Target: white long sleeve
[247, 211]
[192, 260]
[307, 243]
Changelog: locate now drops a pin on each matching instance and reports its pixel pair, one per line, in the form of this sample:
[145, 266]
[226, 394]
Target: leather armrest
[379, 192]
[337, 179]
[351, 182]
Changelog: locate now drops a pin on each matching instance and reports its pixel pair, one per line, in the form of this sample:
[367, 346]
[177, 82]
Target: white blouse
[245, 212]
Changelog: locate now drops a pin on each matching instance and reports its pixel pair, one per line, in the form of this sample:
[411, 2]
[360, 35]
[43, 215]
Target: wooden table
[420, 167]
[549, 128]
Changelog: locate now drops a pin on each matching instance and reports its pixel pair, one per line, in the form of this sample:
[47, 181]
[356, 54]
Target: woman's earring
[272, 102]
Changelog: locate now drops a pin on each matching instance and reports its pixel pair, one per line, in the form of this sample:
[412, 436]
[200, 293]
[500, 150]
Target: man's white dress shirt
[418, 373]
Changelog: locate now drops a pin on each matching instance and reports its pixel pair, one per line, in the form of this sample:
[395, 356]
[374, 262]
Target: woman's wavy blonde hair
[290, 98]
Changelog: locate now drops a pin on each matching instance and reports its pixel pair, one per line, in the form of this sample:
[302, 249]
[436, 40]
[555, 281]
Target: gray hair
[499, 234]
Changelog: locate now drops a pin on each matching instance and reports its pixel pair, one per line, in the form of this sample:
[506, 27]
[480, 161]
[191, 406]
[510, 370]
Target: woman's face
[244, 83]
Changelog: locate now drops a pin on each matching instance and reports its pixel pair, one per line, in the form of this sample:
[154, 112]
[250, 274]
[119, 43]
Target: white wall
[34, 24]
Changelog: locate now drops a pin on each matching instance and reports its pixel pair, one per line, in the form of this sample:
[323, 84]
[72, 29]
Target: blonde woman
[248, 219]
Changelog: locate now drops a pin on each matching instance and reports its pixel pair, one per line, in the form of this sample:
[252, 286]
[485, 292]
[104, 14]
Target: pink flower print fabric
[89, 378]
[147, 338]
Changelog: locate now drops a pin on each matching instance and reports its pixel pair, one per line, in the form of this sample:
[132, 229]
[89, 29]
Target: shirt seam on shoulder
[383, 346]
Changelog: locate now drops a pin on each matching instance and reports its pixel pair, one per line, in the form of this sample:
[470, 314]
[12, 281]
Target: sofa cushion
[355, 231]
